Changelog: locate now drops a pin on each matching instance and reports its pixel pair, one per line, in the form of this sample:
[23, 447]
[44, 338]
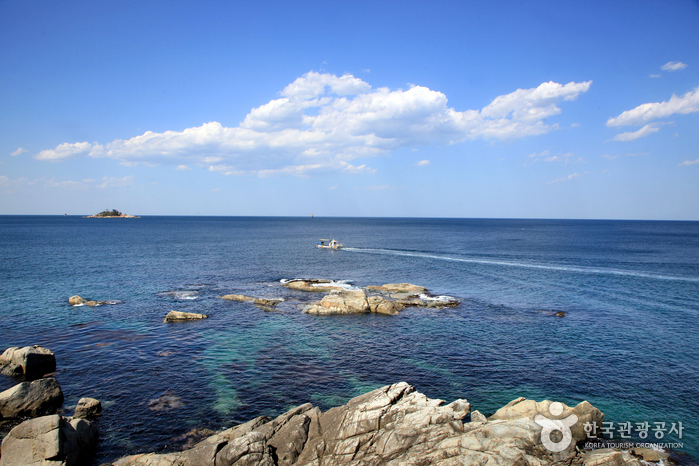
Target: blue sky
[429, 109]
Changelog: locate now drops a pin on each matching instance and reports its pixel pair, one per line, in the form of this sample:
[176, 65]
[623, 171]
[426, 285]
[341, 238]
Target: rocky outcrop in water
[30, 399]
[31, 361]
[259, 301]
[78, 301]
[394, 425]
[312, 284]
[50, 440]
[398, 288]
[177, 316]
[88, 408]
[340, 302]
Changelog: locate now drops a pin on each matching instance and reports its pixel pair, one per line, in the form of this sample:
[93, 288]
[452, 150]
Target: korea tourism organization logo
[617, 435]
[549, 426]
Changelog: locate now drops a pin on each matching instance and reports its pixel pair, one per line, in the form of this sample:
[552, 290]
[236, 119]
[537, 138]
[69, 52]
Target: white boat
[328, 244]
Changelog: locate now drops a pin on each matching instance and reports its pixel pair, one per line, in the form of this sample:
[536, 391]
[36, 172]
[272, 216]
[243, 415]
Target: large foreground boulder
[31, 361]
[43, 396]
[88, 408]
[50, 440]
[393, 425]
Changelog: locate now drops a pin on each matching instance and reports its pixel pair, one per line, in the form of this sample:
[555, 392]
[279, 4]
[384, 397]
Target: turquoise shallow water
[628, 343]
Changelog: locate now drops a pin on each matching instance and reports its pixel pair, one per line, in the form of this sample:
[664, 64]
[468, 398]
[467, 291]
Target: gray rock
[49, 441]
[43, 396]
[87, 408]
[31, 361]
[177, 316]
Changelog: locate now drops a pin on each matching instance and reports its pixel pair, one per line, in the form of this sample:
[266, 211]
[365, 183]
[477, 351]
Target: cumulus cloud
[650, 128]
[322, 122]
[19, 151]
[690, 162]
[673, 66]
[9, 185]
[422, 163]
[656, 75]
[182, 168]
[642, 114]
[68, 184]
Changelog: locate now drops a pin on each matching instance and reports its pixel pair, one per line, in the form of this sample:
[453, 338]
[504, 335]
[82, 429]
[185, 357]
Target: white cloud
[332, 188]
[112, 182]
[673, 66]
[610, 157]
[650, 128]
[690, 162]
[67, 184]
[567, 178]
[656, 75]
[19, 151]
[183, 168]
[642, 114]
[422, 163]
[65, 150]
[322, 122]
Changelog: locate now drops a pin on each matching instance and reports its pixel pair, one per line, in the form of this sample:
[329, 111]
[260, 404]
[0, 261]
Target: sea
[628, 343]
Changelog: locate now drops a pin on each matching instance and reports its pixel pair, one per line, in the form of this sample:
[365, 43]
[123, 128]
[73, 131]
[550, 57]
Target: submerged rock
[177, 316]
[43, 396]
[88, 408]
[393, 425]
[30, 361]
[50, 440]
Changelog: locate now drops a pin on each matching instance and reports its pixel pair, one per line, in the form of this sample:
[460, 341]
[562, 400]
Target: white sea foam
[442, 298]
[560, 268]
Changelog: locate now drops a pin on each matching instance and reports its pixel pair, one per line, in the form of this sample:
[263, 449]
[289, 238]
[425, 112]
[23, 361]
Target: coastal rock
[648, 454]
[398, 288]
[43, 396]
[30, 361]
[530, 409]
[87, 408]
[75, 300]
[259, 301]
[340, 302]
[78, 301]
[393, 425]
[177, 316]
[313, 285]
[609, 457]
[49, 440]
[380, 305]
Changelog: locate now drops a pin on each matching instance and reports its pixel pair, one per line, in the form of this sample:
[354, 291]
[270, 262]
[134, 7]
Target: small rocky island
[106, 213]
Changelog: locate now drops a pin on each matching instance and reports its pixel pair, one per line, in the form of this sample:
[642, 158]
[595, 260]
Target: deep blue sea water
[628, 343]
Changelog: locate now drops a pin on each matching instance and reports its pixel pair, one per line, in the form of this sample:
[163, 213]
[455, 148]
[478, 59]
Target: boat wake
[559, 268]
